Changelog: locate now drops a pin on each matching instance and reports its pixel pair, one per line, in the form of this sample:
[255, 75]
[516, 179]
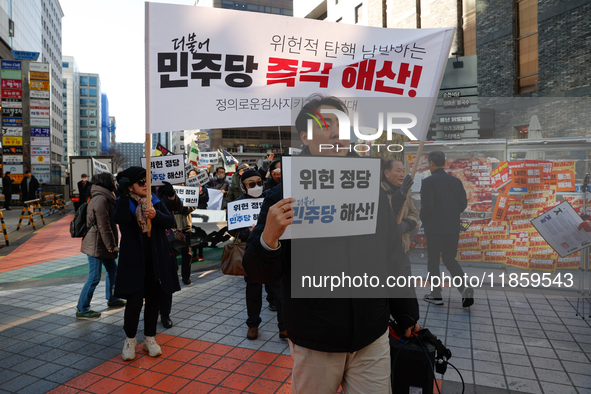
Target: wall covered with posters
[505, 195]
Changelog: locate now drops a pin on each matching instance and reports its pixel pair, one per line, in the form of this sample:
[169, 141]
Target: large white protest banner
[334, 196]
[100, 167]
[559, 227]
[244, 213]
[210, 79]
[166, 168]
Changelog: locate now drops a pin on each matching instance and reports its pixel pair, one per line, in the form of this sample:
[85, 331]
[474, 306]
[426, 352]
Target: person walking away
[252, 186]
[219, 182]
[7, 189]
[100, 245]
[146, 261]
[443, 199]
[29, 186]
[83, 193]
[333, 341]
[235, 190]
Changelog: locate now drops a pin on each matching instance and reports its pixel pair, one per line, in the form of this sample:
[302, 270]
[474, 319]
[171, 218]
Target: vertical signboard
[12, 117]
[40, 121]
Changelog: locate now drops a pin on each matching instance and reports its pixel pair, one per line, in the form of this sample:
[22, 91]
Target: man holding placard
[333, 341]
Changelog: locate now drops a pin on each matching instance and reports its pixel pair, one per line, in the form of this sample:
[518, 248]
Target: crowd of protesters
[339, 342]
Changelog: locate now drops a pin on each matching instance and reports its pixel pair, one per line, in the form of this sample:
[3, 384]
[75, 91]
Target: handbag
[176, 238]
[232, 258]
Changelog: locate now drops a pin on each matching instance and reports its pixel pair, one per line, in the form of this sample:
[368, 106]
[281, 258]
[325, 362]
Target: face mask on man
[84, 179]
[255, 191]
[221, 176]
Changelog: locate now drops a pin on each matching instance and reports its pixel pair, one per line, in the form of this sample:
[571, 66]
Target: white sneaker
[129, 349]
[433, 300]
[152, 347]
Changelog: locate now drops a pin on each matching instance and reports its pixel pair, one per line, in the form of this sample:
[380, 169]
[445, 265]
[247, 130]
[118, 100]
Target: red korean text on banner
[361, 77]
[564, 180]
[502, 206]
[527, 176]
[500, 176]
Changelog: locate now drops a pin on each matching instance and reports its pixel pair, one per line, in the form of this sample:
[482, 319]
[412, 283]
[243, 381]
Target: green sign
[11, 74]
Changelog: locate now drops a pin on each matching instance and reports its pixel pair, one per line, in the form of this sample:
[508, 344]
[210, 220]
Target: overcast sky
[107, 37]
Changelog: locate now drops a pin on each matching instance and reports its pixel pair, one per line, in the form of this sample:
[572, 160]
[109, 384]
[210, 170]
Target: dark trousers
[444, 246]
[165, 305]
[7, 198]
[186, 256]
[151, 292]
[254, 302]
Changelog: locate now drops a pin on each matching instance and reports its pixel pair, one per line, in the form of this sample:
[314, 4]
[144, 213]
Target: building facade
[504, 56]
[51, 51]
[131, 152]
[90, 114]
[71, 106]
[105, 123]
[31, 31]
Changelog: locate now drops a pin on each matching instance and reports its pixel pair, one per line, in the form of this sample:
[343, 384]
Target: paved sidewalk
[506, 342]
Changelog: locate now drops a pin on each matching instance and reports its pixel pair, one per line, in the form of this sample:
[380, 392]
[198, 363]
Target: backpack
[78, 227]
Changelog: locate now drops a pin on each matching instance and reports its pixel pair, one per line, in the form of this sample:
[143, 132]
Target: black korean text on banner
[334, 196]
[166, 168]
[244, 213]
[188, 195]
[559, 228]
[202, 178]
[255, 73]
[100, 167]
[206, 158]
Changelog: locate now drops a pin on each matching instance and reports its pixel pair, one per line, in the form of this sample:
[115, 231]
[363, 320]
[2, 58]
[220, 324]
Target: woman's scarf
[140, 211]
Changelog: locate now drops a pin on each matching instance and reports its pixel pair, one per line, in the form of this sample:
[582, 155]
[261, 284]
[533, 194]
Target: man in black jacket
[443, 199]
[83, 191]
[29, 186]
[336, 341]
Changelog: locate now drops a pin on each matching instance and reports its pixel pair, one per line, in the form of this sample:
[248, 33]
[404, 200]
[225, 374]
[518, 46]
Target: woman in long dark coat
[146, 262]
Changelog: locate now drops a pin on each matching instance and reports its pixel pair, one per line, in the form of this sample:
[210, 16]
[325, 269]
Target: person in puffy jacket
[100, 245]
[147, 266]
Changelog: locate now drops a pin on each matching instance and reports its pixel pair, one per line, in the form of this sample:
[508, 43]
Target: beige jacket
[408, 212]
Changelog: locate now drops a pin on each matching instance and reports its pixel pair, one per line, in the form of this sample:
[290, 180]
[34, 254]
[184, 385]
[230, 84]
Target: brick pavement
[506, 342]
